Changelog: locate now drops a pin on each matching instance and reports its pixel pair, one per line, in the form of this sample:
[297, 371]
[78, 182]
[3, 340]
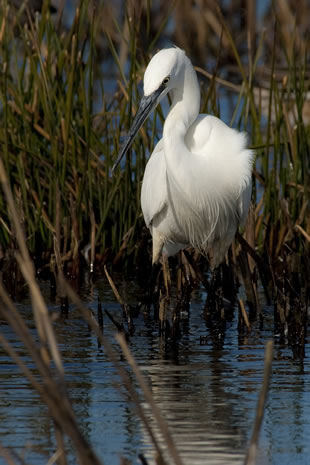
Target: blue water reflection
[207, 392]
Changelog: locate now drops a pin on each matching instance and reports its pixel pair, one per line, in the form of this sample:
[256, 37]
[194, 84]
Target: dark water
[206, 392]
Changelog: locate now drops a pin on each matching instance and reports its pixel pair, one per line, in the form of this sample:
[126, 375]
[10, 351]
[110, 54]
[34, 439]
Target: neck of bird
[184, 111]
[185, 106]
[180, 173]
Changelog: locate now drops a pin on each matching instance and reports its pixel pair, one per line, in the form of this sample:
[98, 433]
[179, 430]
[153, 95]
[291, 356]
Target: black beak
[146, 107]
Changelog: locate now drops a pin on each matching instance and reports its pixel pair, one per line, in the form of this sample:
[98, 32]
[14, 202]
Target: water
[207, 389]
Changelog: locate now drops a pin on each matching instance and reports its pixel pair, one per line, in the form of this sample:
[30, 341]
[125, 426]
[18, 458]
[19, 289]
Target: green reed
[58, 141]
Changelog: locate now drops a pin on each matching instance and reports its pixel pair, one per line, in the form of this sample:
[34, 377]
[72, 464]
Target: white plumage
[197, 183]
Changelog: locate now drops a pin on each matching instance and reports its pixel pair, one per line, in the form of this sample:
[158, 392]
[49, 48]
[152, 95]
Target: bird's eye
[166, 80]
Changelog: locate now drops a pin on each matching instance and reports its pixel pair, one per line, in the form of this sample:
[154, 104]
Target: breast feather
[154, 185]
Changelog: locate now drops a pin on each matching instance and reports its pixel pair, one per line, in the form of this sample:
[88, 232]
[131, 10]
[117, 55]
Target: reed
[52, 139]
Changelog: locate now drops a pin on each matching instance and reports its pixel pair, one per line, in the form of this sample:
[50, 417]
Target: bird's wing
[210, 136]
[222, 161]
[212, 183]
[154, 186]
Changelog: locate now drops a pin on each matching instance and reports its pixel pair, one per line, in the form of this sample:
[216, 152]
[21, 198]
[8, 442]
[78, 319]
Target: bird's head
[162, 74]
[164, 71]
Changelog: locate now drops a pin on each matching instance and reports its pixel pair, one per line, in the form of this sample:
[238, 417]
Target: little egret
[197, 183]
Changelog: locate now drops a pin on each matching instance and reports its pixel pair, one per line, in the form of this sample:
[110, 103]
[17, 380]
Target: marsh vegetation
[70, 83]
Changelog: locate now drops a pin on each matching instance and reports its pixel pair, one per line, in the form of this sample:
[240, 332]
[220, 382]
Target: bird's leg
[164, 324]
[228, 284]
[214, 299]
[186, 269]
[166, 274]
[185, 286]
[152, 290]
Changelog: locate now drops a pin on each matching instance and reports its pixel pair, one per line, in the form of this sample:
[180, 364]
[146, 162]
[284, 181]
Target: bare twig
[303, 232]
[122, 303]
[113, 287]
[253, 447]
[244, 314]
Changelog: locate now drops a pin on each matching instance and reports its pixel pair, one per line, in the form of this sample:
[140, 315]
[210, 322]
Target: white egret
[197, 183]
